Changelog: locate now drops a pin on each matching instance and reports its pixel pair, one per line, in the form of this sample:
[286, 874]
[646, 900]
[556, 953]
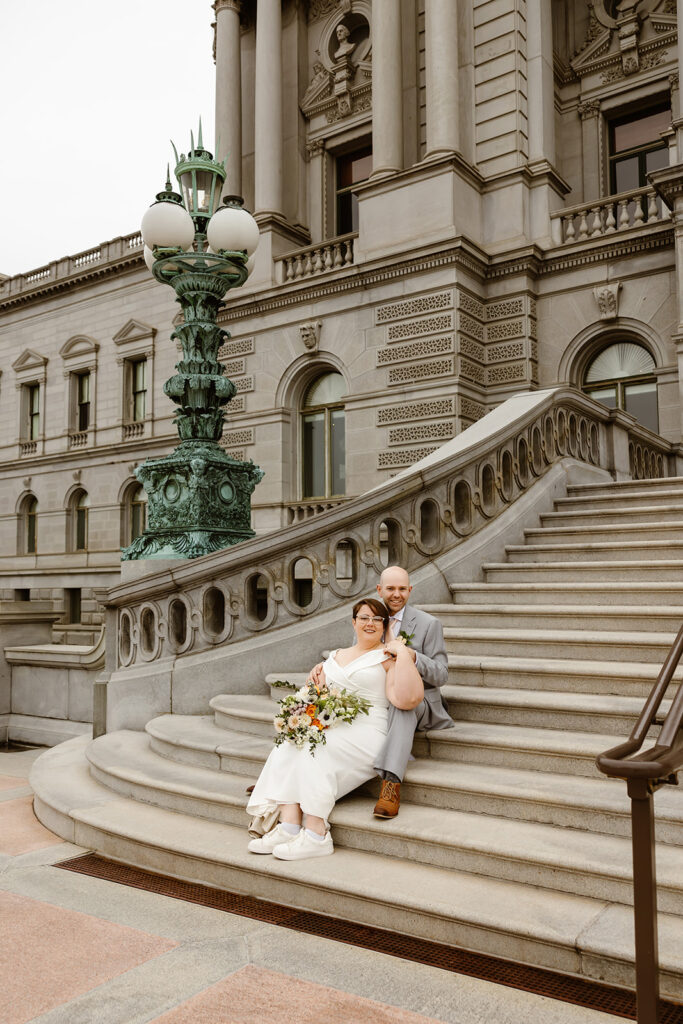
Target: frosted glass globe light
[148, 257]
[168, 225]
[251, 263]
[233, 229]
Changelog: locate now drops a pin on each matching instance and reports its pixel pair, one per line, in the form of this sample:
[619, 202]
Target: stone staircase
[509, 841]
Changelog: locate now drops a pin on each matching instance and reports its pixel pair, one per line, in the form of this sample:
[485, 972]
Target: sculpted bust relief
[345, 47]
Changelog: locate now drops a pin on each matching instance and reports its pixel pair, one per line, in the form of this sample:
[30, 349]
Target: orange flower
[316, 723]
[311, 709]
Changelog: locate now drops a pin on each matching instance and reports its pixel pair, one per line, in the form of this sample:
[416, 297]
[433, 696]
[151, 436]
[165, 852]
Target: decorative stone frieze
[441, 430]
[235, 367]
[230, 349]
[242, 436]
[415, 411]
[417, 328]
[420, 371]
[415, 350]
[413, 307]
[244, 384]
[471, 348]
[505, 329]
[404, 457]
[471, 410]
[472, 371]
[470, 326]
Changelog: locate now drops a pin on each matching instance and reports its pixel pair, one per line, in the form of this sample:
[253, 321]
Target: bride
[300, 783]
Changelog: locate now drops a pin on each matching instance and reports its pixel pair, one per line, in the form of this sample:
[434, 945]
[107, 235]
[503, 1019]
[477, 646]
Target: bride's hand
[392, 647]
[316, 674]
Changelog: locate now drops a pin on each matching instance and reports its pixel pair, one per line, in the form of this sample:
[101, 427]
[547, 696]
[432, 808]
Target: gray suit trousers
[429, 714]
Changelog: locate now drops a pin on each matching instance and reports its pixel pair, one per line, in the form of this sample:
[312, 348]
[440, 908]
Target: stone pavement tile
[11, 782]
[63, 954]
[20, 830]
[254, 995]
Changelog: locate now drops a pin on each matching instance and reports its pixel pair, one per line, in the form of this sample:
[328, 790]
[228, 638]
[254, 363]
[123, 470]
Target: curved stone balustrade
[335, 557]
[316, 259]
[608, 216]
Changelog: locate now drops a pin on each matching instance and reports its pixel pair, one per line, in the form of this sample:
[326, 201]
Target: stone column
[441, 76]
[589, 112]
[268, 109]
[229, 92]
[541, 85]
[387, 88]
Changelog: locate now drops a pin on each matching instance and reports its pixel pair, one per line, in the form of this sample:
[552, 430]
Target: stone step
[582, 644]
[197, 740]
[606, 594]
[611, 500]
[580, 572]
[536, 616]
[579, 935]
[604, 551]
[628, 679]
[592, 534]
[124, 762]
[585, 712]
[673, 484]
[615, 517]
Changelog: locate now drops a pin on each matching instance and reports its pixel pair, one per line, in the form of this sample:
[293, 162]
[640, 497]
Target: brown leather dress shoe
[389, 800]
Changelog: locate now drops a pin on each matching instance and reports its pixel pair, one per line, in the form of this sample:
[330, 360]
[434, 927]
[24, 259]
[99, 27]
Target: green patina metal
[199, 497]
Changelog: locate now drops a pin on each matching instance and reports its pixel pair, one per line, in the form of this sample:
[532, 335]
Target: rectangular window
[81, 529]
[352, 168]
[313, 455]
[83, 401]
[32, 412]
[73, 604]
[138, 389]
[22, 595]
[636, 147]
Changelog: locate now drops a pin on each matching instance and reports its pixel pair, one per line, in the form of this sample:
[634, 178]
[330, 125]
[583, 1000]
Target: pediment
[596, 48]
[79, 345]
[29, 360]
[134, 330]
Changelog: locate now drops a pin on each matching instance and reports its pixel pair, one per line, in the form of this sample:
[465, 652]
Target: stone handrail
[333, 558]
[608, 216]
[69, 266]
[333, 254]
[59, 656]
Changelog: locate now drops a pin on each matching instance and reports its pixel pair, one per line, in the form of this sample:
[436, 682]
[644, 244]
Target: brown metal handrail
[644, 773]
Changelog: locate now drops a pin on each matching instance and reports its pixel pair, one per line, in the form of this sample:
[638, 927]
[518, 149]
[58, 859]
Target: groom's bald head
[394, 588]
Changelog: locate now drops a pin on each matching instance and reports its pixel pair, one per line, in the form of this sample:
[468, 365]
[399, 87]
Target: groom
[427, 648]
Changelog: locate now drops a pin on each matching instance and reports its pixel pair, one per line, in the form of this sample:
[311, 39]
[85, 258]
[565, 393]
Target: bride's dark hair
[377, 609]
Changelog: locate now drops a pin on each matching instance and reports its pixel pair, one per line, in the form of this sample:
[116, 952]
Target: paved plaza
[80, 950]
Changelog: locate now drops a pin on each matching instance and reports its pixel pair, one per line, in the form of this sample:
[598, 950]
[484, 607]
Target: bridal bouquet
[304, 716]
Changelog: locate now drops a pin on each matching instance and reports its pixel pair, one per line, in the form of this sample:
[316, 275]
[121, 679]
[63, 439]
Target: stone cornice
[47, 287]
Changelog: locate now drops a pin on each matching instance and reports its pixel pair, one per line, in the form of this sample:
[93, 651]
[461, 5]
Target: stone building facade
[455, 205]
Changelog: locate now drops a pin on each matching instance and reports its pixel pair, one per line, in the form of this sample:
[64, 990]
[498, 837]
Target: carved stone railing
[298, 511]
[69, 266]
[78, 439]
[647, 458]
[28, 447]
[608, 216]
[332, 559]
[334, 254]
[131, 431]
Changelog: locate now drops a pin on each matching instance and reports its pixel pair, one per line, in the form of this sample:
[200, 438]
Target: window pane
[31, 530]
[640, 130]
[140, 375]
[657, 158]
[81, 529]
[626, 174]
[314, 455]
[641, 401]
[325, 390]
[83, 415]
[84, 387]
[624, 359]
[137, 519]
[608, 396]
[347, 213]
[338, 451]
[354, 167]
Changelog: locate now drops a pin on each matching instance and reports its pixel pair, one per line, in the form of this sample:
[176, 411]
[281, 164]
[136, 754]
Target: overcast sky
[92, 92]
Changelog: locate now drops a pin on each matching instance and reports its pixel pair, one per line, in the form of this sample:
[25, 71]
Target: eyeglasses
[376, 620]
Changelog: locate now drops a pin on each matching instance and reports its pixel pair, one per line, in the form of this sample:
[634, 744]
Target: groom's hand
[315, 675]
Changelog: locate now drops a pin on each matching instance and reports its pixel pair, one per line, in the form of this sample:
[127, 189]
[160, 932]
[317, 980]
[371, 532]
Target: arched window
[28, 526]
[138, 512]
[622, 377]
[77, 534]
[323, 438]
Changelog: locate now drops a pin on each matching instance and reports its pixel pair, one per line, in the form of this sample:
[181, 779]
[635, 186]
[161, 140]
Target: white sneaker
[268, 842]
[303, 847]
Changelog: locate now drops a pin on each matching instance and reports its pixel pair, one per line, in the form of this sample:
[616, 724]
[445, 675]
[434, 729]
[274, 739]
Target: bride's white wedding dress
[293, 775]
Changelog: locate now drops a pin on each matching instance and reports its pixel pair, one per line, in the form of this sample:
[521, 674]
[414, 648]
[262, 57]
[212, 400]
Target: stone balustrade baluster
[624, 221]
[597, 221]
[639, 216]
[583, 226]
[610, 222]
[569, 231]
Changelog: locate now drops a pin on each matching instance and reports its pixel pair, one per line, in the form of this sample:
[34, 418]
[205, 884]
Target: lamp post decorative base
[199, 501]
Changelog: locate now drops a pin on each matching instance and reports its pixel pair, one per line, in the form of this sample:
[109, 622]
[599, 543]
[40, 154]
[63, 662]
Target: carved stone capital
[227, 5]
[674, 83]
[607, 298]
[315, 147]
[588, 109]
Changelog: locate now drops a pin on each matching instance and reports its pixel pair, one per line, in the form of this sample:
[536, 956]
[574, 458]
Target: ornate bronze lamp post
[199, 497]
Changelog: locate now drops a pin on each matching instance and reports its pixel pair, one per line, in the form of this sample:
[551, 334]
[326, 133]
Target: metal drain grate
[542, 982]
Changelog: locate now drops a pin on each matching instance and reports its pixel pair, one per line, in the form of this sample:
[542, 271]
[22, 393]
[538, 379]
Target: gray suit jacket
[431, 662]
